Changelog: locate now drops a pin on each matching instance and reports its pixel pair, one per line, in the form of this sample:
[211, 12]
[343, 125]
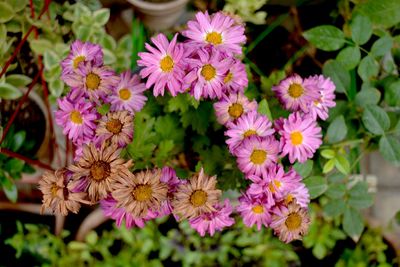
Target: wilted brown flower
[139, 192]
[117, 127]
[196, 197]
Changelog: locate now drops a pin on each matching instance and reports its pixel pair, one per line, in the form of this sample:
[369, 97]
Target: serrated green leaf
[8, 91]
[18, 80]
[336, 191]
[316, 185]
[178, 103]
[368, 68]
[389, 147]
[339, 75]
[375, 119]
[198, 119]
[6, 12]
[353, 223]
[328, 166]
[335, 207]
[337, 130]
[168, 127]
[325, 37]
[349, 57]
[361, 29]
[304, 169]
[342, 164]
[382, 46]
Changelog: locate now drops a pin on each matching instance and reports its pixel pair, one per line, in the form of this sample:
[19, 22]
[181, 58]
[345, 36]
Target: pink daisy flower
[163, 65]
[128, 94]
[255, 155]
[300, 193]
[320, 107]
[254, 211]
[95, 82]
[296, 94]
[77, 118]
[206, 77]
[300, 137]
[236, 79]
[219, 31]
[278, 124]
[250, 124]
[213, 221]
[82, 52]
[231, 107]
[168, 176]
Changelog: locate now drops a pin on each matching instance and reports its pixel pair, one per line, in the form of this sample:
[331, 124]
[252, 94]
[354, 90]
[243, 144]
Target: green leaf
[11, 191]
[397, 217]
[336, 191]
[389, 147]
[8, 91]
[101, 16]
[103, 109]
[382, 46]
[18, 5]
[335, 207]
[92, 238]
[56, 87]
[83, 32]
[375, 119]
[382, 12]
[263, 108]
[319, 251]
[329, 166]
[40, 46]
[198, 118]
[14, 167]
[18, 80]
[109, 57]
[316, 185]
[361, 29]
[325, 37]
[168, 127]
[328, 153]
[360, 198]
[349, 57]
[304, 169]
[339, 75]
[337, 130]
[6, 12]
[368, 68]
[369, 96]
[50, 59]
[353, 223]
[178, 103]
[18, 140]
[392, 94]
[163, 151]
[342, 164]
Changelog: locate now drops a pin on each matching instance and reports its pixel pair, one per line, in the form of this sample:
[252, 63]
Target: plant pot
[159, 16]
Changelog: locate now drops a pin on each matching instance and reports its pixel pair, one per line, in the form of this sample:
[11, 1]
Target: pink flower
[255, 155]
[219, 31]
[213, 221]
[320, 107]
[250, 124]
[163, 65]
[231, 107]
[207, 72]
[81, 53]
[299, 193]
[300, 137]
[128, 94]
[77, 118]
[254, 211]
[94, 82]
[295, 95]
[168, 176]
[236, 79]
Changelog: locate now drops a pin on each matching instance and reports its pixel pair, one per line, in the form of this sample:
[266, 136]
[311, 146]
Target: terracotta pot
[159, 16]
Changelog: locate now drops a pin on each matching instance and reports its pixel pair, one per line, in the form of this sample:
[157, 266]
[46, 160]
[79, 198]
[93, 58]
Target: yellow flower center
[316, 103]
[288, 199]
[258, 209]
[228, 77]
[293, 221]
[54, 189]
[214, 38]
[114, 126]
[258, 156]
[198, 198]
[208, 72]
[235, 110]
[249, 133]
[92, 81]
[167, 64]
[77, 60]
[296, 138]
[75, 117]
[142, 192]
[295, 90]
[124, 94]
[100, 170]
[271, 186]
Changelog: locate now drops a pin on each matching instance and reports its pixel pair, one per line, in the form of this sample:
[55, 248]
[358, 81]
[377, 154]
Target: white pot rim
[157, 6]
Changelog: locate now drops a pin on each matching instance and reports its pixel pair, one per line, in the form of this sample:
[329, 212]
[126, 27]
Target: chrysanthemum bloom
[116, 127]
[207, 72]
[58, 196]
[290, 222]
[300, 137]
[296, 94]
[219, 31]
[140, 193]
[256, 154]
[77, 118]
[168, 176]
[95, 82]
[163, 65]
[100, 167]
[235, 80]
[232, 106]
[250, 124]
[299, 193]
[320, 107]
[278, 124]
[196, 197]
[110, 209]
[82, 52]
[128, 94]
[254, 210]
[215, 220]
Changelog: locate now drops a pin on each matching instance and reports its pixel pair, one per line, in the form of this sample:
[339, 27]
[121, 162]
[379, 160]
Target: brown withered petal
[117, 127]
[196, 197]
[140, 192]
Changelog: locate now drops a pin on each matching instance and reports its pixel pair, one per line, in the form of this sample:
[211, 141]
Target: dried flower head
[117, 127]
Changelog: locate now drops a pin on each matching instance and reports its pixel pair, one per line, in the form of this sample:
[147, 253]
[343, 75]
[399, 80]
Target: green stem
[254, 67]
